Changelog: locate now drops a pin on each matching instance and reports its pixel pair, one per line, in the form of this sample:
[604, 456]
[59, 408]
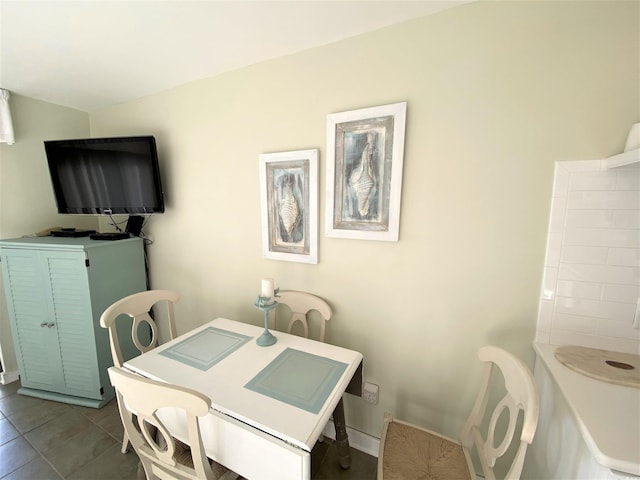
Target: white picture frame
[289, 205]
[365, 155]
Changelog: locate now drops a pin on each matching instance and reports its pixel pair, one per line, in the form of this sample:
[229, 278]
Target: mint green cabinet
[56, 289]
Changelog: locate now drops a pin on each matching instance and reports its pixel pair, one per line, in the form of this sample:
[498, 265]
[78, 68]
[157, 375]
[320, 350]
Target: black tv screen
[105, 175]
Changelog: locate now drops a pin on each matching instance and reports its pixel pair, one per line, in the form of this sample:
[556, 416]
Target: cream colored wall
[26, 198]
[496, 92]
[25, 186]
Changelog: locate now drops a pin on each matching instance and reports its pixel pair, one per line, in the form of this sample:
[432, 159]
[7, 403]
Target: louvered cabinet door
[71, 313]
[32, 324]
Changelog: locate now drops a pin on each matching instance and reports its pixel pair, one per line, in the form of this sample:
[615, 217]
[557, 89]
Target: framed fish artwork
[365, 154]
[289, 205]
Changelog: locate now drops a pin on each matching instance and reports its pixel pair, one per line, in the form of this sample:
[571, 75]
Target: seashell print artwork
[289, 205]
[289, 210]
[362, 180]
[365, 150]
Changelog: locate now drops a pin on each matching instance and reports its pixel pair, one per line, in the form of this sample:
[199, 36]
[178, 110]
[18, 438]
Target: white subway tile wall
[591, 282]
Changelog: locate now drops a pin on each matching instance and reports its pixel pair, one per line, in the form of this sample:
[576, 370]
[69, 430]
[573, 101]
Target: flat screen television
[105, 176]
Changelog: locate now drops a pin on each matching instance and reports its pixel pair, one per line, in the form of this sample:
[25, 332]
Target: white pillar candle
[267, 288]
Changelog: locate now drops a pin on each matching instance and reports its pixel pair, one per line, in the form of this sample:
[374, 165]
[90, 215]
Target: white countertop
[608, 415]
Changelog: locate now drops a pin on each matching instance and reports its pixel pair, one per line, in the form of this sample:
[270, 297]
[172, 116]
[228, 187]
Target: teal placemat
[206, 348]
[299, 378]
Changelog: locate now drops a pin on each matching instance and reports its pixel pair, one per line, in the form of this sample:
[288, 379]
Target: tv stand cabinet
[56, 289]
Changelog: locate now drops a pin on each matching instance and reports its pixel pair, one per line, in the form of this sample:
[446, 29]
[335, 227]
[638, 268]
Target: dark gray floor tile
[69, 456]
[363, 466]
[107, 418]
[38, 412]
[96, 414]
[36, 469]
[9, 389]
[15, 454]
[7, 431]
[58, 430]
[12, 404]
[318, 454]
[109, 466]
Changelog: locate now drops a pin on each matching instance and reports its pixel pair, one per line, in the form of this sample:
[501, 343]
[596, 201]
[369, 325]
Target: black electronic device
[71, 232]
[109, 236]
[105, 176]
[134, 225]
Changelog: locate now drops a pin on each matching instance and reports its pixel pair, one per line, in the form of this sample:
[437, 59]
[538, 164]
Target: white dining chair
[295, 311]
[300, 304]
[408, 451]
[161, 455]
[139, 307]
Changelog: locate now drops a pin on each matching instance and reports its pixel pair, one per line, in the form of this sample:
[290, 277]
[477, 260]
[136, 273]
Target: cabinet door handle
[43, 324]
[50, 324]
[47, 324]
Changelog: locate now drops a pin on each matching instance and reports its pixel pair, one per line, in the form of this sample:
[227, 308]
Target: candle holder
[266, 304]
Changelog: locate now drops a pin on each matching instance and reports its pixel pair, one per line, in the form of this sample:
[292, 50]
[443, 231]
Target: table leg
[342, 440]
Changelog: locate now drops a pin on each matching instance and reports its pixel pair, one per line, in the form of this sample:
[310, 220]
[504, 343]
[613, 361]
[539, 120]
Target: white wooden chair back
[138, 306]
[411, 451]
[140, 398]
[301, 303]
[521, 396]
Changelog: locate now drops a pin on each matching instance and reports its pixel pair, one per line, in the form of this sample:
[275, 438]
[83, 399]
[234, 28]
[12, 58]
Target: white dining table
[269, 405]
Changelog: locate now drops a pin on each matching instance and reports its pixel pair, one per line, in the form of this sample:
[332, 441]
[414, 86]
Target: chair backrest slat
[143, 398]
[521, 396]
[138, 306]
[300, 304]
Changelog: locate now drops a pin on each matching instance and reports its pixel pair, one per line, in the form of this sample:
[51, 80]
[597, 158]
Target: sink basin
[605, 365]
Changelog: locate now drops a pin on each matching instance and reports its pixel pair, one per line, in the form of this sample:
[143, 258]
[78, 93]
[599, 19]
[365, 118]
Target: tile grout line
[23, 436]
[43, 458]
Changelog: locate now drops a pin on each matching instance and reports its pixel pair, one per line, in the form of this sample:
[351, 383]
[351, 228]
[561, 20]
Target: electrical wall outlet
[370, 392]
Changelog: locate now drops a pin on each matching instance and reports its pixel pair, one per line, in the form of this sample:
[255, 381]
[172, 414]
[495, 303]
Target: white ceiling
[90, 54]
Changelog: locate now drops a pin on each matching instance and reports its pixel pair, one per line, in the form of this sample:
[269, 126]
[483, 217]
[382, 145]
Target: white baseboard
[358, 440]
[8, 377]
